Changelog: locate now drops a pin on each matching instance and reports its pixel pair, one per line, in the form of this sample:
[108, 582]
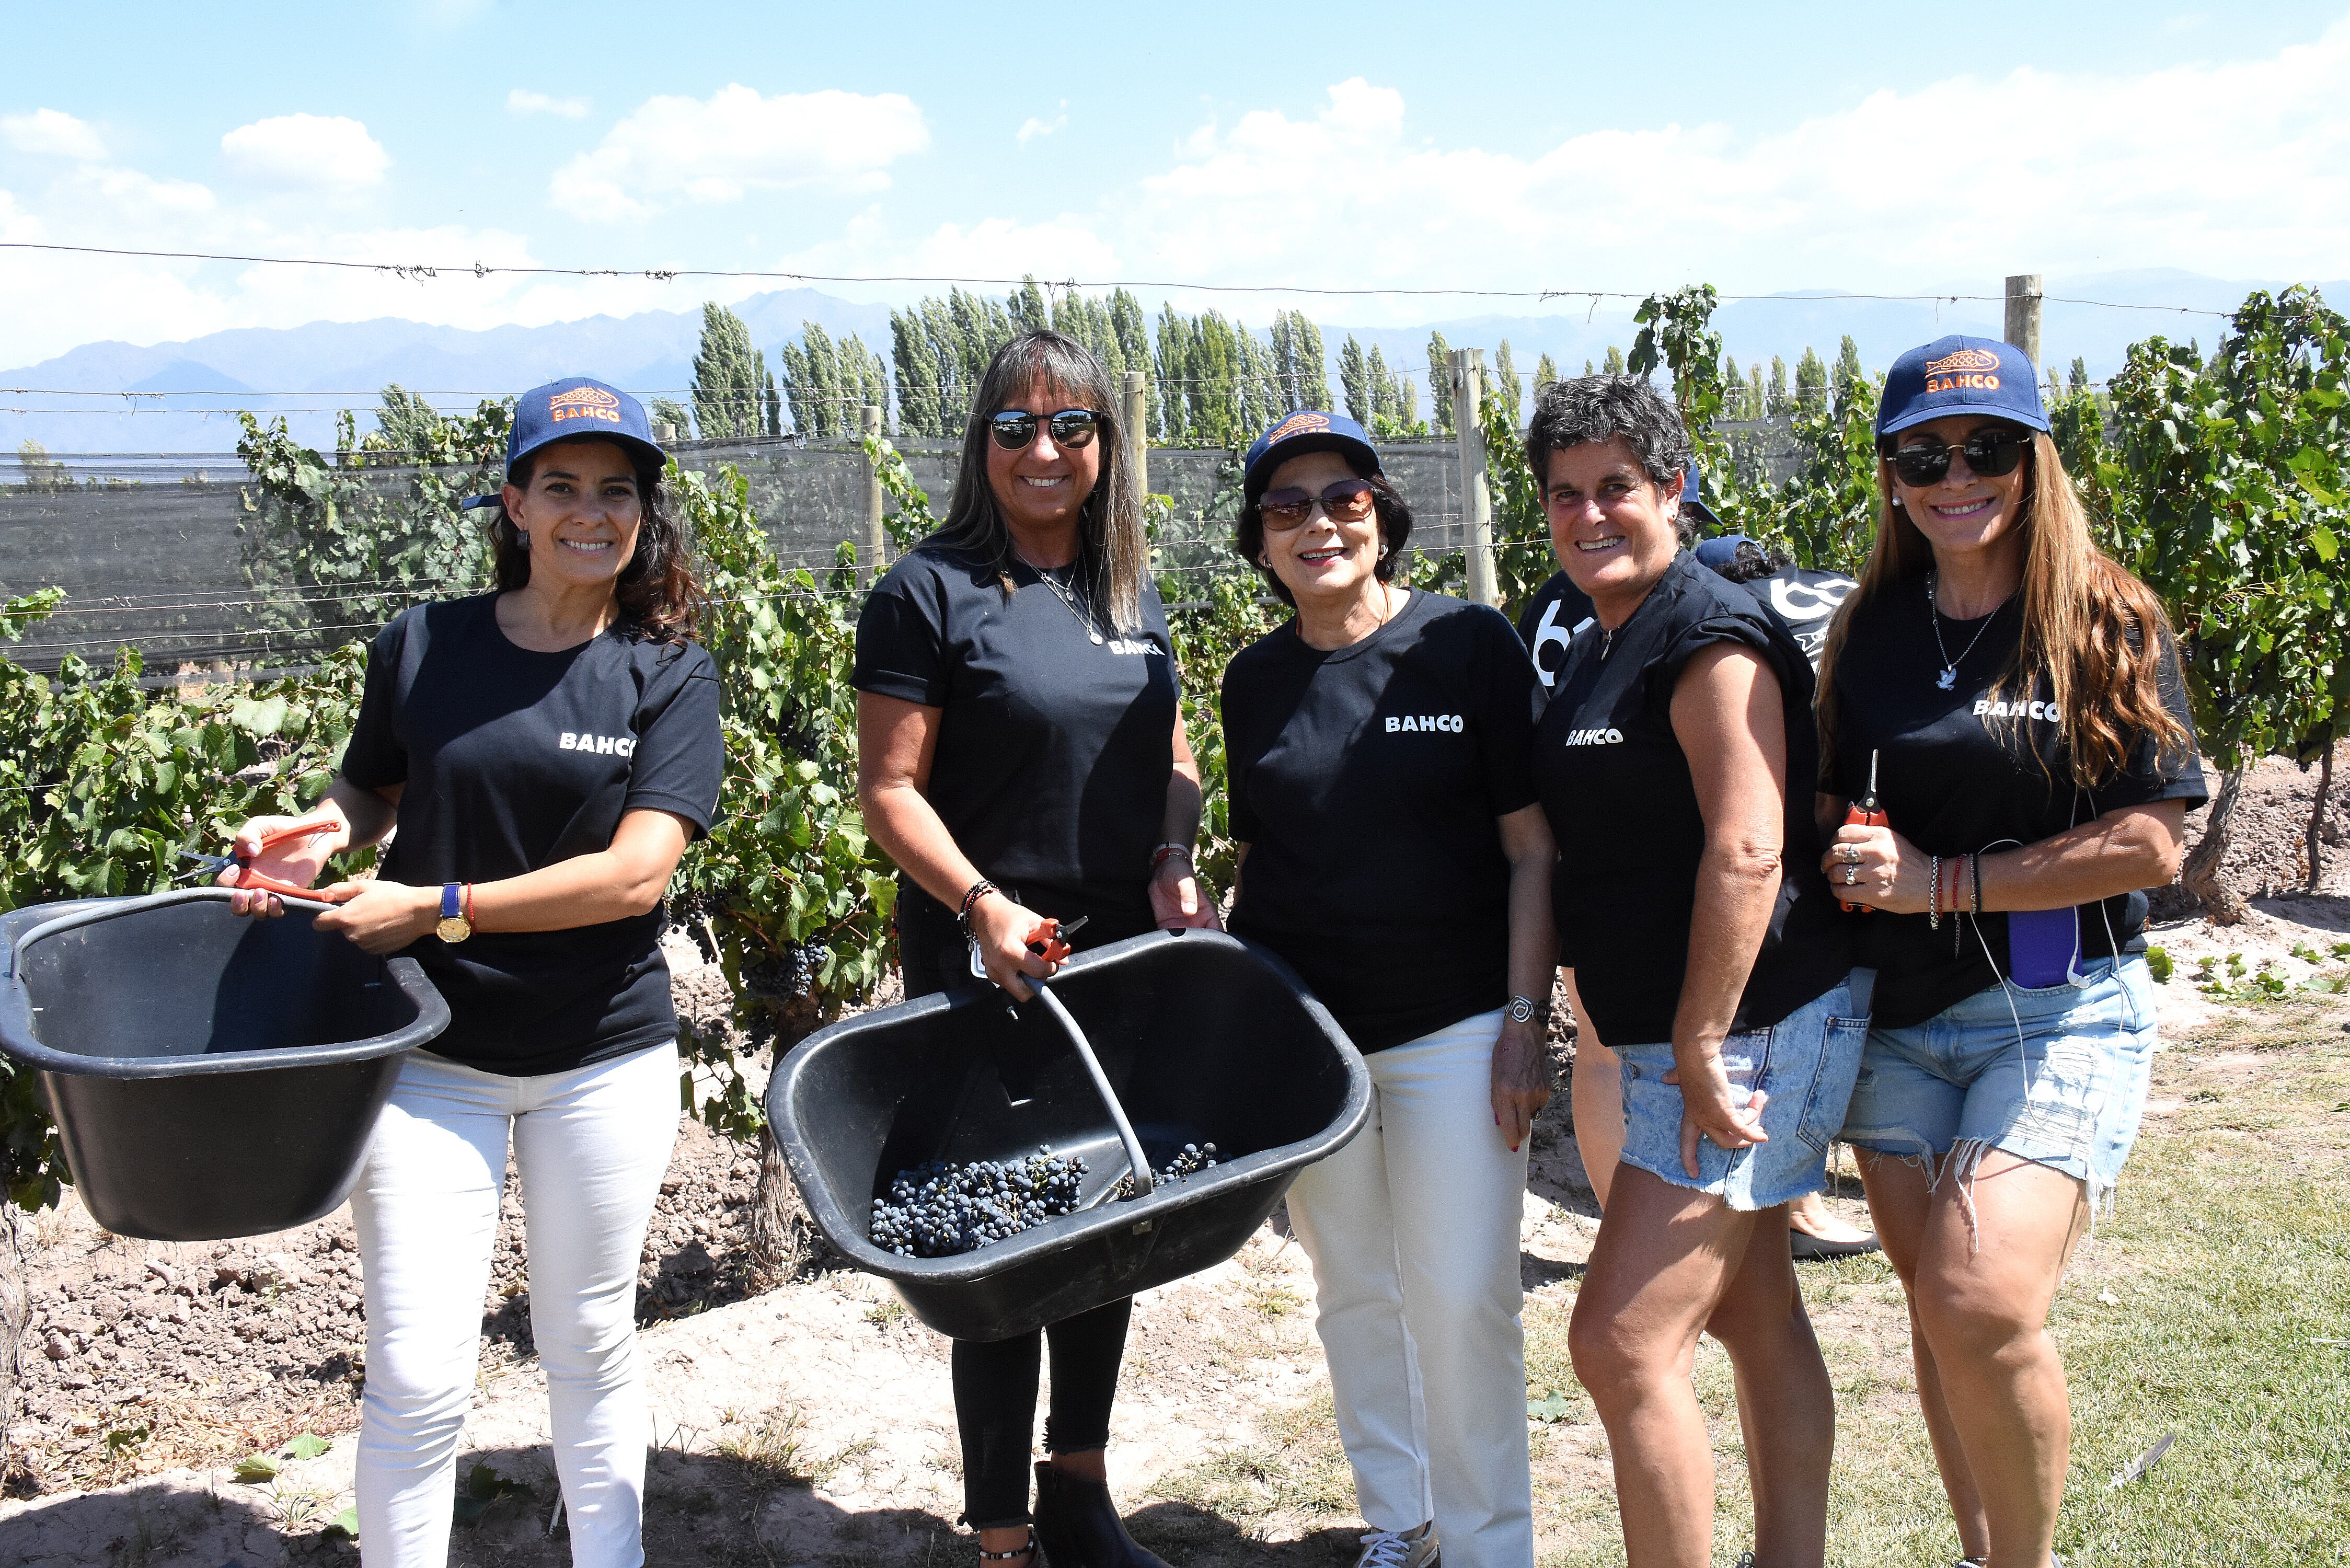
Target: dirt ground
[812, 1422]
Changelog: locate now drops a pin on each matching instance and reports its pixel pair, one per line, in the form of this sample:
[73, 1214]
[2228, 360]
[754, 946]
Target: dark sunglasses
[1990, 452]
[1348, 500]
[1015, 430]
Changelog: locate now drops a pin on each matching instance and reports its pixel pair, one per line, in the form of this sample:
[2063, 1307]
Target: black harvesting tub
[211, 1076]
[1202, 1038]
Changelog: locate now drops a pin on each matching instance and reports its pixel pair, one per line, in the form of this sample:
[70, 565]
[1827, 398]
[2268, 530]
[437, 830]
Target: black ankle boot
[1077, 1525]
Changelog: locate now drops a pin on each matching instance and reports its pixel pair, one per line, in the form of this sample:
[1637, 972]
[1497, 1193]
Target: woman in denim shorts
[2015, 698]
[1676, 761]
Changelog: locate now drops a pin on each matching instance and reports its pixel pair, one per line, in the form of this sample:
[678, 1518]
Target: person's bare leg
[1664, 1258]
[1787, 1406]
[1811, 1216]
[1982, 1299]
[1899, 1199]
[1596, 1090]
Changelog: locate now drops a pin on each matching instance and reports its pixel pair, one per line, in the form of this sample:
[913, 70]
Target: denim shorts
[1805, 1062]
[2055, 1074]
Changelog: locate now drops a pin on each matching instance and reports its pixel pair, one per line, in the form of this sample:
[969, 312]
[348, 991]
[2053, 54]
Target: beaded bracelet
[979, 890]
[1974, 880]
[1934, 894]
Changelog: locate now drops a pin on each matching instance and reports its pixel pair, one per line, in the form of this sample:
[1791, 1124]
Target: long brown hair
[659, 596]
[1113, 556]
[2093, 631]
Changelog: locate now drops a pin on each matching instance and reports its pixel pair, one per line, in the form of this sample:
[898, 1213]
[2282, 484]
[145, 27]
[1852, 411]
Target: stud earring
[522, 537]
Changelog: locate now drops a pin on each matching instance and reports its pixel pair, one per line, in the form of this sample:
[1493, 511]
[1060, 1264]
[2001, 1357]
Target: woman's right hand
[1710, 1109]
[1001, 929]
[297, 860]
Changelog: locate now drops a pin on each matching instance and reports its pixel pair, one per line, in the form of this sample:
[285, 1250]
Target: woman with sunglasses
[1020, 757]
[1676, 761]
[1381, 789]
[2013, 698]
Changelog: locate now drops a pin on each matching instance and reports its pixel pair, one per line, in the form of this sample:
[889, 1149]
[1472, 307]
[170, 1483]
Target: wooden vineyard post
[1137, 410]
[2023, 313]
[877, 540]
[1476, 499]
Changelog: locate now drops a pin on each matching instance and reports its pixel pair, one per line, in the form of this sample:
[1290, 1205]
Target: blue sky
[1531, 147]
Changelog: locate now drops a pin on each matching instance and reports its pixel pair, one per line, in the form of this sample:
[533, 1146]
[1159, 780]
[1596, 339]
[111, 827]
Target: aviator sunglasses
[1348, 500]
[1014, 429]
[1988, 453]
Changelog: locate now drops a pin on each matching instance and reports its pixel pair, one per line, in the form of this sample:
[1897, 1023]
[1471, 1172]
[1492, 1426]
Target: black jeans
[995, 1383]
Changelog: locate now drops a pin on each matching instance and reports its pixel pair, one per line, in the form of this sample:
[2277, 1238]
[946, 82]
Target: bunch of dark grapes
[938, 1209]
[1189, 1160]
[791, 974]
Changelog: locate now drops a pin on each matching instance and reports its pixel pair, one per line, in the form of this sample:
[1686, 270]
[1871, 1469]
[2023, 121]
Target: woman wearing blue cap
[1379, 749]
[546, 751]
[2013, 697]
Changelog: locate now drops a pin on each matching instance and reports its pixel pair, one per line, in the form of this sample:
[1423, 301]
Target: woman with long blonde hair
[2013, 699]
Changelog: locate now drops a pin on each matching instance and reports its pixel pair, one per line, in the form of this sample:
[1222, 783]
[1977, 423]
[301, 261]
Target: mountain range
[181, 396]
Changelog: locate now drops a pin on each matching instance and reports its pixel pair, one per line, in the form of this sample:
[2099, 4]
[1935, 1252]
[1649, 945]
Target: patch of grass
[772, 1445]
[1296, 1470]
[886, 1314]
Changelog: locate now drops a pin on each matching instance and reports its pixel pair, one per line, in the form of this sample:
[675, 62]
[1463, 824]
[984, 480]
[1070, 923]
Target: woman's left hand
[381, 917]
[1878, 867]
[1520, 1086]
[1710, 1108]
[1178, 902]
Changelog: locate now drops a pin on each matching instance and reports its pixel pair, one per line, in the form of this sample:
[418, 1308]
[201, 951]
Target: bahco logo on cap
[583, 403]
[1299, 424]
[1975, 368]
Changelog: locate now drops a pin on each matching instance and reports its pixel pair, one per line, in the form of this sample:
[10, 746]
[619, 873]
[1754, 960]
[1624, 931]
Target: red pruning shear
[250, 880]
[1045, 941]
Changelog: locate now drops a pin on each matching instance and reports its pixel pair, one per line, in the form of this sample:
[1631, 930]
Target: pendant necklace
[1949, 678]
[1085, 616]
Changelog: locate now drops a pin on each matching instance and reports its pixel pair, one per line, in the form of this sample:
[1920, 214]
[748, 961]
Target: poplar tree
[1261, 398]
[727, 372]
[1132, 329]
[1506, 371]
[1298, 361]
[1355, 381]
[1614, 363]
[1439, 383]
[1848, 381]
[1811, 383]
[920, 404]
[670, 411]
[1780, 406]
[1545, 372]
[1177, 400]
[1755, 402]
[1027, 308]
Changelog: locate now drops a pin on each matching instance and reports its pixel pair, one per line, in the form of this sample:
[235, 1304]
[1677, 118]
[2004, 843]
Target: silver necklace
[1949, 678]
[1085, 616]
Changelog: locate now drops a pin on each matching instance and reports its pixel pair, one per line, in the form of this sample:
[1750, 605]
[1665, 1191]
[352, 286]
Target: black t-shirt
[1806, 599]
[1623, 807]
[512, 760]
[1366, 782]
[1956, 776]
[1553, 618]
[1053, 750]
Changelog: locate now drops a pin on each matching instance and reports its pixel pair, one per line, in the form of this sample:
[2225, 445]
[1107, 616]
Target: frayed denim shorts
[1805, 1062]
[2055, 1074]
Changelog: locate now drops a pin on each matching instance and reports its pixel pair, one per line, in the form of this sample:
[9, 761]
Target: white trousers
[591, 1146]
[1413, 1233]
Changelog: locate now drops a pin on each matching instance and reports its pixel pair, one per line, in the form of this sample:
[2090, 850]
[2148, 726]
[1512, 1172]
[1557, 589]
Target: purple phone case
[2041, 945]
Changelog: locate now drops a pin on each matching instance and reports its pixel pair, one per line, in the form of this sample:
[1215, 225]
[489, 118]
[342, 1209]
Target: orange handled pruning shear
[250, 880]
[1044, 941]
[1865, 813]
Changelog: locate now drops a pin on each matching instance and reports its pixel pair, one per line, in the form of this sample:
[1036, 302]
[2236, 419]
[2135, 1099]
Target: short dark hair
[1395, 528]
[1597, 408]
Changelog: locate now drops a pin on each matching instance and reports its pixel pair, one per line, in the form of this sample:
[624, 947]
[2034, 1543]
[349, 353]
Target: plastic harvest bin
[210, 1075]
[1203, 1038]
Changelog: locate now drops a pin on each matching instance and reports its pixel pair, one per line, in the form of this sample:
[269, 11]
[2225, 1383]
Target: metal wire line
[417, 271]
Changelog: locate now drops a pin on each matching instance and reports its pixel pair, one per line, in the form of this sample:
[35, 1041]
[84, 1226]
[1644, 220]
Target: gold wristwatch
[456, 912]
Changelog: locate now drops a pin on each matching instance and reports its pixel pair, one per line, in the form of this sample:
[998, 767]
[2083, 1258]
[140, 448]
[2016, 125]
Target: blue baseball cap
[579, 409]
[1957, 375]
[1693, 499]
[1297, 433]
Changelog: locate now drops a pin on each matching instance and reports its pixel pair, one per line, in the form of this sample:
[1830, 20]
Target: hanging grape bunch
[1189, 1160]
[939, 1209]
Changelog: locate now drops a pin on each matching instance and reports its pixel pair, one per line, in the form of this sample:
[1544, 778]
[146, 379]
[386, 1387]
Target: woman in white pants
[547, 752]
[1380, 754]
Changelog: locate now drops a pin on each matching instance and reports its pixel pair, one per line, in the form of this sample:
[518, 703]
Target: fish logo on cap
[583, 403]
[1297, 424]
[1964, 360]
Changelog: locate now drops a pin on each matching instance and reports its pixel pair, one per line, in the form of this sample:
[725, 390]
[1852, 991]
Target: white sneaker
[1411, 1549]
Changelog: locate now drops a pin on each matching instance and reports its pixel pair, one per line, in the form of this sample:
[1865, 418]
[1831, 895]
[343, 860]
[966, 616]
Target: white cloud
[1032, 127]
[672, 149]
[306, 152]
[522, 101]
[52, 132]
[2239, 170]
